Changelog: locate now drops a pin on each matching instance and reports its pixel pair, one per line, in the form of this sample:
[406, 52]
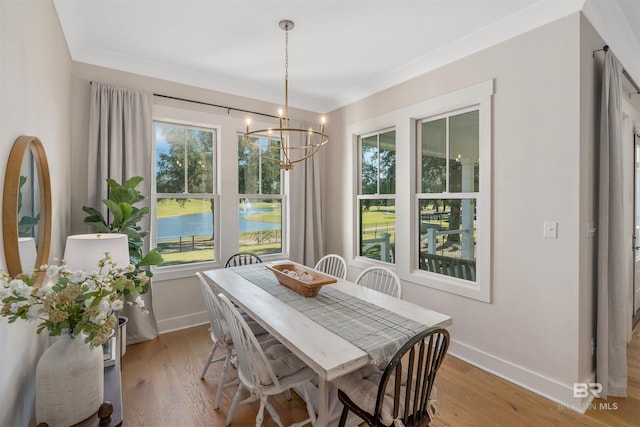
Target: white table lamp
[83, 251]
[28, 253]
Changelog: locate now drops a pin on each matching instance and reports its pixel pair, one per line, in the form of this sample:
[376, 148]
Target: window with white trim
[451, 212]
[448, 171]
[376, 201]
[260, 200]
[185, 195]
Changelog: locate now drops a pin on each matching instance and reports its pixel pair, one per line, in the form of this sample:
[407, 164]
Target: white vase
[69, 382]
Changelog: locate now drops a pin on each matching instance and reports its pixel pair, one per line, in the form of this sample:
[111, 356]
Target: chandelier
[294, 144]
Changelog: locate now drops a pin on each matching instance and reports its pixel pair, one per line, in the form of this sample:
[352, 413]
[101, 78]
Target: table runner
[373, 329]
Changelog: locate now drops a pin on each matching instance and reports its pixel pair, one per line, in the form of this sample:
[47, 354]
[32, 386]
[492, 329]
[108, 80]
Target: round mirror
[26, 209]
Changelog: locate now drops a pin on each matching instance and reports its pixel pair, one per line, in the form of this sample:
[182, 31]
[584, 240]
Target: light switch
[551, 229]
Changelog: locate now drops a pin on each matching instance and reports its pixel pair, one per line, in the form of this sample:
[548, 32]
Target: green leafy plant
[124, 219]
[26, 223]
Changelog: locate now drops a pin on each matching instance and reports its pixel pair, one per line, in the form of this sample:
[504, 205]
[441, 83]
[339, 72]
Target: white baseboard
[182, 322]
[551, 389]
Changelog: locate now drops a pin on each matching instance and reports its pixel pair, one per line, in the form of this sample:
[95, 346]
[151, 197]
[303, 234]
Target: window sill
[161, 274]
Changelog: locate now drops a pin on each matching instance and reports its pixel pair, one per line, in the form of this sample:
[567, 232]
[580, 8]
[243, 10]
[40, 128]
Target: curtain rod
[216, 105]
[211, 105]
[624, 72]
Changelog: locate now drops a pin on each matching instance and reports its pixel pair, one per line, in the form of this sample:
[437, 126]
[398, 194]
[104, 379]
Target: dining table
[341, 329]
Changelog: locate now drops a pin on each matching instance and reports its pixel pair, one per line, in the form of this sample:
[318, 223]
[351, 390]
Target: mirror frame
[10, 204]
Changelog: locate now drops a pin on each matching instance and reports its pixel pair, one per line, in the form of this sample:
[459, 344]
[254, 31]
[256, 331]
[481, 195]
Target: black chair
[403, 390]
[242, 259]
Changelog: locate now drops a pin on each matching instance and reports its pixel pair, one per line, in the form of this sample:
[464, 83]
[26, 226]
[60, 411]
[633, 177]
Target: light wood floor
[161, 387]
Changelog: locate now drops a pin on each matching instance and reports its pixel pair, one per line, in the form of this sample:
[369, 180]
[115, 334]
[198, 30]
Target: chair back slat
[213, 311]
[380, 279]
[333, 265]
[242, 258]
[411, 374]
[253, 367]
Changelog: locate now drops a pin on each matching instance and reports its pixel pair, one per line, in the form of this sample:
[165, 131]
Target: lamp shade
[83, 251]
[28, 252]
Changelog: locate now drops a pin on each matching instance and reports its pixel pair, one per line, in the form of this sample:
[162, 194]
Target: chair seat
[283, 362]
[255, 327]
[362, 388]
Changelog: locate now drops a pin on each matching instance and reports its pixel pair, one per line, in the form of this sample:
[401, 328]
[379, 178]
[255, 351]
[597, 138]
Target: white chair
[381, 279]
[265, 368]
[221, 337]
[333, 265]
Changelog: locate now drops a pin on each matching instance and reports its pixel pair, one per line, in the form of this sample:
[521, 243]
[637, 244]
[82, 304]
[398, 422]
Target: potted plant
[79, 307]
[124, 219]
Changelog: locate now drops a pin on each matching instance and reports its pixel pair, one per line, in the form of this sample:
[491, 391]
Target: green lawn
[274, 216]
[171, 207]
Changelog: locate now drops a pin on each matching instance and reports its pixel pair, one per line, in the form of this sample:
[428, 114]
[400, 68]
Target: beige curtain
[614, 245]
[120, 136]
[305, 189]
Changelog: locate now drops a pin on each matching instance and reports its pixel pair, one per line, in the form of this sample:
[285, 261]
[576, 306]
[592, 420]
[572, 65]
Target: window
[376, 196]
[424, 179]
[260, 202]
[185, 193]
[449, 168]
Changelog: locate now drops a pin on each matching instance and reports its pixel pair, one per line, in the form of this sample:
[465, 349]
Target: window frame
[173, 271]
[280, 196]
[477, 97]
[374, 196]
[447, 194]
[404, 120]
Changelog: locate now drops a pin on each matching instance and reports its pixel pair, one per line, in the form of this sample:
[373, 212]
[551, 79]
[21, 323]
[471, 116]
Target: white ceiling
[339, 50]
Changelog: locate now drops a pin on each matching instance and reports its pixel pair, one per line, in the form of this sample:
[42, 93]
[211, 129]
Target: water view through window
[185, 193]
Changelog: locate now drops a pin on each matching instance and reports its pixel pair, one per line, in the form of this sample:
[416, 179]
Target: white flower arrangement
[76, 301]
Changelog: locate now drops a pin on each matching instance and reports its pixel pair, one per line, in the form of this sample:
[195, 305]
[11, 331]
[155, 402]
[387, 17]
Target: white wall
[529, 332]
[35, 73]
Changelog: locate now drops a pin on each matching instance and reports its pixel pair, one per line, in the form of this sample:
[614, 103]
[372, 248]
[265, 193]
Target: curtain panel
[305, 187]
[614, 261]
[120, 136]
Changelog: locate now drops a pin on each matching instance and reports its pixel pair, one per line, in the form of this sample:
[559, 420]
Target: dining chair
[242, 258]
[401, 394]
[264, 368]
[333, 265]
[221, 338]
[380, 279]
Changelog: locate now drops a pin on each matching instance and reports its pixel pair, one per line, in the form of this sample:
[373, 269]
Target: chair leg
[223, 379]
[208, 362]
[343, 417]
[287, 394]
[234, 404]
[260, 414]
[264, 401]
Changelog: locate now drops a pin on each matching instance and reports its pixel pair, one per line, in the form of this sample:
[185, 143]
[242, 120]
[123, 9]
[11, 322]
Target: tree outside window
[376, 198]
[185, 189]
[260, 202]
[449, 183]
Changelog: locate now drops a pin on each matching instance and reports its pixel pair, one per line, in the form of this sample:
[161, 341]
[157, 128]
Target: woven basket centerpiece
[302, 280]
